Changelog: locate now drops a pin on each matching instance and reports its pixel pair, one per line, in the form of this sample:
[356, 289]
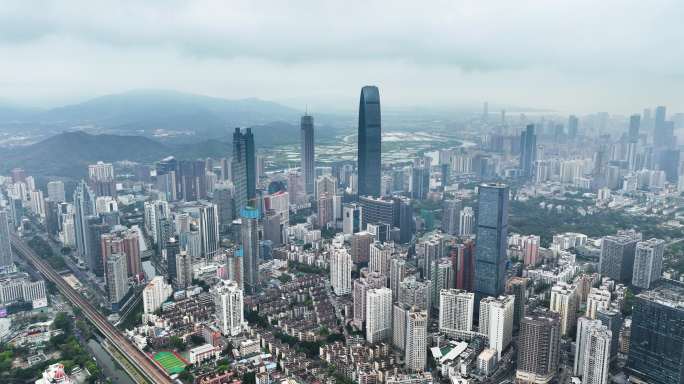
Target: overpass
[148, 368]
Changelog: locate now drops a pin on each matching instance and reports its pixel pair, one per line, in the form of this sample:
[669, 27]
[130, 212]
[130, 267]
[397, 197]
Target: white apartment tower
[415, 355]
[340, 271]
[496, 321]
[155, 294]
[380, 257]
[466, 221]
[228, 299]
[597, 356]
[564, 301]
[597, 298]
[116, 277]
[648, 262]
[455, 311]
[378, 314]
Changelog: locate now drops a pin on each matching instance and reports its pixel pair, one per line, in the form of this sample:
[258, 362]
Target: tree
[333, 337]
[285, 278]
[328, 233]
[249, 378]
[177, 343]
[186, 377]
[196, 339]
[84, 329]
[253, 317]
[92, 368]
[63, 322]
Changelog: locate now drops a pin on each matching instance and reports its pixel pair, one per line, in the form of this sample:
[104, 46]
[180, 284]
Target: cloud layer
[572, 56]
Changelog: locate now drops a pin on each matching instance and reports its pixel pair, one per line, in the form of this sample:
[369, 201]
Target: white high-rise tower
[228, 299]
[496, 321]
[378, 314]
[455, 311]
[340, 271]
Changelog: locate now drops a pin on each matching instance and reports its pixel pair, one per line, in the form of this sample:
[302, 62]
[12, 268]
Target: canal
[109, 367]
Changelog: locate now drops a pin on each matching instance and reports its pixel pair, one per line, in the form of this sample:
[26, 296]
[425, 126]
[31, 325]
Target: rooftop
[669, 293]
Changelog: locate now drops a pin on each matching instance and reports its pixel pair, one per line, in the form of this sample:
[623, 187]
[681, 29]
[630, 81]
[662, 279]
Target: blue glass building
[492, 232]
[307, 152]
[656, 346]
[243, 167]
[369, 142]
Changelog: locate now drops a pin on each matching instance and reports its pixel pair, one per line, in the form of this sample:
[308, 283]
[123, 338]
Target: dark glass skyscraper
[307, 144]
[369, 162]
[617, 257]
[528, 151]
[656, 346]
[94, 231]
[84, 206]
[492, 232]
[420, 179]
[172, 251]
[403, 218]
[243, 168]
[250, 247]
[192, 179]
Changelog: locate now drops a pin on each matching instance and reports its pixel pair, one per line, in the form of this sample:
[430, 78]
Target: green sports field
[170, 362]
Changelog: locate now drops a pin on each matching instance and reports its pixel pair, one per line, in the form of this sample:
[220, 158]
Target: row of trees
[527, 217]
[43, 249]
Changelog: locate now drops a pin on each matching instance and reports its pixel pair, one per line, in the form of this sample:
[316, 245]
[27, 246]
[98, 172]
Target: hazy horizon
[583, 57]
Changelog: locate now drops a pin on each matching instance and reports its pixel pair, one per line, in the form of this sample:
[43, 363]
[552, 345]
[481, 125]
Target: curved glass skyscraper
[369, 142]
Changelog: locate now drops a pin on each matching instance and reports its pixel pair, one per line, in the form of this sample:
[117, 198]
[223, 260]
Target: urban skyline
[426, 200]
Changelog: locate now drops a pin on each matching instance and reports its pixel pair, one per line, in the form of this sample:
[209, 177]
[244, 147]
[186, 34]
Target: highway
[152, 372]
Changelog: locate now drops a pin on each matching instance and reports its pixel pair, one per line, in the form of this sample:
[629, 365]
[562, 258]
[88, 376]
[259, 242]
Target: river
[107, 364]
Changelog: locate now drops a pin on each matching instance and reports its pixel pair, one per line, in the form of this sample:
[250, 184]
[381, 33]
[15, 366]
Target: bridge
[148, 368]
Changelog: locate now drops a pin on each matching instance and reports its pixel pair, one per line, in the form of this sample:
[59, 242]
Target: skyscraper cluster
[403, 271]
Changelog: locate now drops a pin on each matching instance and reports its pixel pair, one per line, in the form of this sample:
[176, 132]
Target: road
[152, 372]
[674, 241]
[84, 277]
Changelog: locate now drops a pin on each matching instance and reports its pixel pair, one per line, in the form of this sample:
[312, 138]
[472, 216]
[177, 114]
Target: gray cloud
[566, 55]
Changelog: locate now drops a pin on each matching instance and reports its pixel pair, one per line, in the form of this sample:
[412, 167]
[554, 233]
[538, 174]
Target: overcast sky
[575, 56]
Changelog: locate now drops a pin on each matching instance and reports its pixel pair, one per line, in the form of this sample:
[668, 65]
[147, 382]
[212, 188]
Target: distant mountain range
[143, 126]
[152, 112]
[68, 154]
[147, 111]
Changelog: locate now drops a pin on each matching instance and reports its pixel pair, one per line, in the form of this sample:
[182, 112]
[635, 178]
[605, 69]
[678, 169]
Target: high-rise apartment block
[456, 312]
[228, 300]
